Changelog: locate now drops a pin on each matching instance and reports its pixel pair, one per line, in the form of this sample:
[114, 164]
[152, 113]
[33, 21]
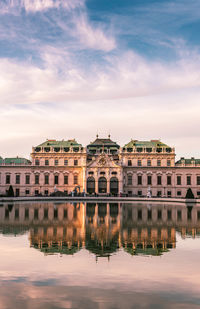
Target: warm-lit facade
[102, 167]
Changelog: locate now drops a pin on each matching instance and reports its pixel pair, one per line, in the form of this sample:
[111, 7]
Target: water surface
[118, 255]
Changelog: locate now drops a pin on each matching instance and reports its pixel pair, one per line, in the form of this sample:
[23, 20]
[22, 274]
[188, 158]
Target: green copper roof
[106, 142]
[147, 144]
[146, 251]
[54, 143]
[16, 160]
[188, 161]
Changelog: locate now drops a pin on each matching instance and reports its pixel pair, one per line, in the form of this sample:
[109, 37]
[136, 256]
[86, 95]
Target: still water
[104, 256]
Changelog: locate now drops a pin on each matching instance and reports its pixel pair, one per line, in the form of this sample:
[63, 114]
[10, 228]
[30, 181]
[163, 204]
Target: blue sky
[70, 68]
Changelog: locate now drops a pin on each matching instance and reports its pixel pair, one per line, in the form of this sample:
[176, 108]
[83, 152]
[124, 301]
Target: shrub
[10, 192]
[189, 194]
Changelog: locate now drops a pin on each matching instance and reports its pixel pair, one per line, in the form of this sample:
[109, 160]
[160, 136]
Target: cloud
[124, 76]
[10, 6]
[67, 63]
[92, 37]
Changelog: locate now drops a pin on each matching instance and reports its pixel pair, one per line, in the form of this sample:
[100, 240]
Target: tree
[189, 194]
[10, 192]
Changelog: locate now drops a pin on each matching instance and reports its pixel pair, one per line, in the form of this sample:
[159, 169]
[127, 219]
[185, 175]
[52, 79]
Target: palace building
[103, 167]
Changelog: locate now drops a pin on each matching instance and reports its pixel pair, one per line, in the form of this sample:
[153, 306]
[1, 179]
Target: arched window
[91, 185]
[114, 185]
[102, 185]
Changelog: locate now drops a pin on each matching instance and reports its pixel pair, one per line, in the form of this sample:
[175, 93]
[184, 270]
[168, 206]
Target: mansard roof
[63, 143]
[16, 160]
[147, 144]
[106, 142]
[188, 161]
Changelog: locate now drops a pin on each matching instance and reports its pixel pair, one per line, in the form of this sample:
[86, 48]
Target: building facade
[139, 168]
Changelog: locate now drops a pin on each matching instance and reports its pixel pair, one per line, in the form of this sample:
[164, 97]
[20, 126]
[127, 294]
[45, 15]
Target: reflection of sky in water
[31, 279]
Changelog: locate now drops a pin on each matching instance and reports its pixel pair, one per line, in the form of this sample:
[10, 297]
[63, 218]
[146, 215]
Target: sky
[75, 68]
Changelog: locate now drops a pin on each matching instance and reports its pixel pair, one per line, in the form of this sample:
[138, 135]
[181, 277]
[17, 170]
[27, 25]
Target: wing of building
[139, 168]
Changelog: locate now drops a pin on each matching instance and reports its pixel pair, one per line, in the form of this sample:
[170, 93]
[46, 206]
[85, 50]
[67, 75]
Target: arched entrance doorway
[102, 185]
[114, 185]
[90, 185]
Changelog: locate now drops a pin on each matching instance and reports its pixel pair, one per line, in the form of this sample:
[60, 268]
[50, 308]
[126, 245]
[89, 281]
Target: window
[139, 162]
[18, 179]
[46, 192]
[65, 162]
[27, 192]
[198, 192]
[168, 162]
[139, 179]
[46, 213]
[179, 215]
[26, 213]
[46, 162]
[159, 193]
[178, 193]
[75, 179]
[149, 178]
[159, 180]
[159, 214]
[169, 215]
[56, 179]
[198, 180]
[158, 162]
[129, 163]
[149, 214]
[130, 179]
[75, 162]
[46, 179]
[169, 180]
[65, 214]
[36, 214]
[66, 179]
[37, 162]
[37, 178]
[7, 179]
[178, 180]
[36, 192]
[56, 162]
[139, 214]
[148, 162]
[16, 214]
[169, 193]
[27, 179]
[55, 215]
[139, 193]
[188, 180]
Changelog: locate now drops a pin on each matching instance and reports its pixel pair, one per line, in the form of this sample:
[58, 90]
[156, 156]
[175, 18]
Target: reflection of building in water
[100, 228]
[103, 223]
[60, 230]
[147, 230]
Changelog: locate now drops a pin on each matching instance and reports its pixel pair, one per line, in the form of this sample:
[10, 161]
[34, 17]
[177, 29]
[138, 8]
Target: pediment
[103, 161]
